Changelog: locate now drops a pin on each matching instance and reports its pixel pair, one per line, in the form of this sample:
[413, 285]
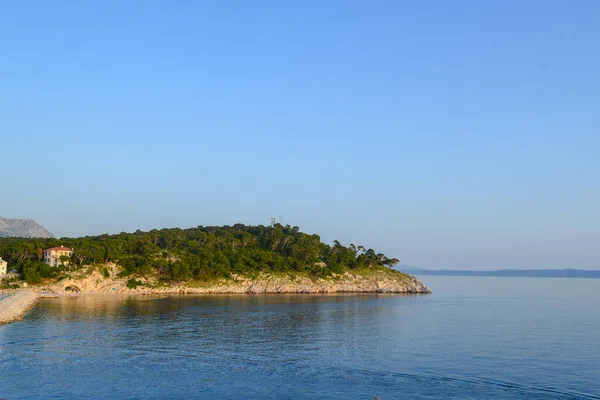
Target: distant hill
[184, 259]
[404, 267]
[27, 228]
[523, 273]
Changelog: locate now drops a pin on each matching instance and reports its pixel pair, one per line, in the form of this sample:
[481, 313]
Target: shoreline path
[14, 307]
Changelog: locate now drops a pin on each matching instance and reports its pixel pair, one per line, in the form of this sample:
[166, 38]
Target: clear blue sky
[449, 134]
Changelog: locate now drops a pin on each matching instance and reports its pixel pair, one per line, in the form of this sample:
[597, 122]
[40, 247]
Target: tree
[203, 252]
[80, 257]
[64, 260]
[22, 252]
[32, 277]
[39, 252]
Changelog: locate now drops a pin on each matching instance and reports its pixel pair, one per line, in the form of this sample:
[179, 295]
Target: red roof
[60, 248]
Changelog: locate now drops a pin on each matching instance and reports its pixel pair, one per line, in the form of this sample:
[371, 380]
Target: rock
[377, 281]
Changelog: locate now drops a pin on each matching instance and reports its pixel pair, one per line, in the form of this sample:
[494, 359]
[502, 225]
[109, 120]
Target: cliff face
[373, 282]
[22, 228]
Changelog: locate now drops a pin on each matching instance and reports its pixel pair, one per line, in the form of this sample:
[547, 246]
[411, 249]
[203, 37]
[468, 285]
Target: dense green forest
[201, 253]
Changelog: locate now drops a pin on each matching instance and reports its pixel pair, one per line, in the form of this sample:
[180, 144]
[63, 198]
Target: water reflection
[225, 324]
[299, 346]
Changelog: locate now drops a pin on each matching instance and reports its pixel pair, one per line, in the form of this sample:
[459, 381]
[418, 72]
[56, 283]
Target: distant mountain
[22, 228]
[523, 273]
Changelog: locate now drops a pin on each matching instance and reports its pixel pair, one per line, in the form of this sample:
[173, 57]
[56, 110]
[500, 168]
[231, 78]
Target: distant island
[211, 259]
[523, 273]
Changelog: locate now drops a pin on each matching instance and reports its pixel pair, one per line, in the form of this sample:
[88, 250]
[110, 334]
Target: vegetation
[9, 283]
[202, 253]
[133, 283]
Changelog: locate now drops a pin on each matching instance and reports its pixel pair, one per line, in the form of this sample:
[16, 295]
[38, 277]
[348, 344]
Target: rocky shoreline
[17, 305]
[373, 282]
[91, 281]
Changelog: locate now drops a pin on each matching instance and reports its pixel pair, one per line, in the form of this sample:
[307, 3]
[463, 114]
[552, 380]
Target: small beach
[14, 306]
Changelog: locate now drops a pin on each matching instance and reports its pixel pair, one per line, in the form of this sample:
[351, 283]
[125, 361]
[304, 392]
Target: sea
[472, 338]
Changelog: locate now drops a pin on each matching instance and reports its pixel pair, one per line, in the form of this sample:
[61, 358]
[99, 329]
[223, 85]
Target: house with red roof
[52, 256]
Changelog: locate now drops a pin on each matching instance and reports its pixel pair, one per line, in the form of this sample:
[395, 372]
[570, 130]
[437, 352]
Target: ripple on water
[446, 346]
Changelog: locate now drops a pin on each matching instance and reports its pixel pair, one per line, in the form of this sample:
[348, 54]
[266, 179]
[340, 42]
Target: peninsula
[228, 259]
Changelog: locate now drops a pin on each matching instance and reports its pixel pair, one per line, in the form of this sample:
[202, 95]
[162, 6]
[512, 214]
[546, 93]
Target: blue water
[473, 338]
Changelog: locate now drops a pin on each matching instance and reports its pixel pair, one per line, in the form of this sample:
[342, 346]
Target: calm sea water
[473, 338]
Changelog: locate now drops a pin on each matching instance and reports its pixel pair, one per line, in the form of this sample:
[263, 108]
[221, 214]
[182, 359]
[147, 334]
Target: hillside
[22, 228]
[189, 257]
[107, 278]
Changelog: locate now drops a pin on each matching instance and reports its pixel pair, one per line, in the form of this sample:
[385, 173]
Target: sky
[462, 134]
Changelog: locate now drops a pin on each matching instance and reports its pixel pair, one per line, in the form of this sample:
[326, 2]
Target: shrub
[32, 276]
[10, 280]
[133, 283]
[46, 271]
[5, 285]
[105, 272]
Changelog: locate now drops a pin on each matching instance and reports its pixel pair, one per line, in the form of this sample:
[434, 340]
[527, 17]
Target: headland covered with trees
[199, 254]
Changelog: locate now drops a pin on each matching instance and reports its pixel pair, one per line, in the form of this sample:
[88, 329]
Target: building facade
[3, 267]
[52, 256]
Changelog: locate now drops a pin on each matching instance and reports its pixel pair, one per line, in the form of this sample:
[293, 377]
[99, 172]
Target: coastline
[92, 283]
[375, 281]
[17, 305]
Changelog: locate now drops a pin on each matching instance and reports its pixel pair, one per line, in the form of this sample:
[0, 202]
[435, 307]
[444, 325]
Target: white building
[3, 267]
[52, 256]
